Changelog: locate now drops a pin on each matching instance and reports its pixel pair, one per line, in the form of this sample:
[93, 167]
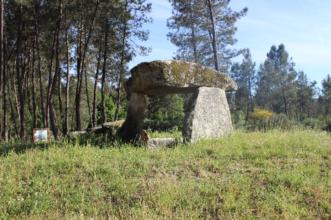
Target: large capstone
[166, 77]
[207, 115]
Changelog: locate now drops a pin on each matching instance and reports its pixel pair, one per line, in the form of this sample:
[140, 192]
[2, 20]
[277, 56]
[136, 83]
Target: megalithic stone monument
[207, 113]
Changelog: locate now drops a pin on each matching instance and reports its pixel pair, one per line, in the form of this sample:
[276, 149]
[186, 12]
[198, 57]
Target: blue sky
[303, 26]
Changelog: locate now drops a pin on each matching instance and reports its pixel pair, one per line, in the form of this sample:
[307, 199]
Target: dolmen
[207, 113]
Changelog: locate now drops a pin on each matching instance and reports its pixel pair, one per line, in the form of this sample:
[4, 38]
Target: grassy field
[245, 176]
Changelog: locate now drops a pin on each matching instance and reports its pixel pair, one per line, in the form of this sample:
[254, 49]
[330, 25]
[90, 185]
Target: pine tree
[276, 88]
[326, 95]
[305, 96]
[204, 30]
[244, 75]
[53, 50]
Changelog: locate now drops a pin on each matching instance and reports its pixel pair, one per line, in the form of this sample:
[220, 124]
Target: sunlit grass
[246, 175]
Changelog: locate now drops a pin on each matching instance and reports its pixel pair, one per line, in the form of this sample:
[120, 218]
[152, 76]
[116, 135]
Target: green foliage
[305, 96]
[261, 114]
[327, 123]
[245, 76]
[276, 82]
[263, 120]
[191, 27]
[326, 98]
[238, 119]
[165, 113]
[273, 175]
[312, 123]
[111, 108]
[82, 45]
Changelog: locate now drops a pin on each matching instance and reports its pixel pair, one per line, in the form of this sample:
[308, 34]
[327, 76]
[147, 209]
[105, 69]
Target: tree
[55, 78]
[244, 75]
[184, 23]
[204, 30]
[132, 19]
[3, 73]
[326, 95]
[276, 88]
[52, 48]
[305, 96]
[86, 24]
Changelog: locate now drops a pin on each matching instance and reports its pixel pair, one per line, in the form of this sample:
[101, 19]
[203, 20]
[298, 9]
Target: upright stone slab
[134, 121]
[207, 115]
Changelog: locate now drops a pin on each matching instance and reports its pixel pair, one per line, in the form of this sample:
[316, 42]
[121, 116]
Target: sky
[303, 26]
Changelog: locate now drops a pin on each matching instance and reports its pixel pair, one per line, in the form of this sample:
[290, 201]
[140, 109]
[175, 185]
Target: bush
[312, 123]
[261, 114]
[263, 120]
[259, 118]
[238, 119]
[327, 124]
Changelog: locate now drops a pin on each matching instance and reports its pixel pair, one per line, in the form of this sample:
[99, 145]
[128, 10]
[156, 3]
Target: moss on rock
[149, 77]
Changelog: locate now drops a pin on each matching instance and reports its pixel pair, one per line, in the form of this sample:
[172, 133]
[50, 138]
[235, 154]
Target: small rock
[161, 142]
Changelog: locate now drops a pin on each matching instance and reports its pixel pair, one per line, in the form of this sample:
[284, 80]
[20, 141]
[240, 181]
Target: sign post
[41, 135]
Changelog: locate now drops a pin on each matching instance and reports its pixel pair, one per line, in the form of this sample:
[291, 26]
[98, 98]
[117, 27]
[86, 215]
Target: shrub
[259, 118]
[262, 119]
[312, 123]
[238, 119]
[327, 124]
[261, 114]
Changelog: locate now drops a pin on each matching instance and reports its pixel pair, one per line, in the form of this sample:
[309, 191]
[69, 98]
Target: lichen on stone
[177, 74]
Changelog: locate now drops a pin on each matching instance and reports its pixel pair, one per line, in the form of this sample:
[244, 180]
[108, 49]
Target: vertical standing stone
[134, 122]
[207, 115]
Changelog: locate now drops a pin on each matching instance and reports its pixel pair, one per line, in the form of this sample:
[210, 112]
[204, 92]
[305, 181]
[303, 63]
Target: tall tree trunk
[20, 74]
[193, 35]
[13, 111]
[78, 84]
[59, 91]
[103, 77]
[56, 77]
[96, 77]
[41, 88]
[80, 63]
[88, 98]
[249, 106]
[213, 33]
[3, 73]
[50, 81]
[34, 104]
[1, 43]
[67, 97]
[122, 70]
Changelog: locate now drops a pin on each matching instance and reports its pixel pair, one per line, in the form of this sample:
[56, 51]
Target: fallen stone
[207, 115]
[161, 142]
[76, 133]
[114, 124]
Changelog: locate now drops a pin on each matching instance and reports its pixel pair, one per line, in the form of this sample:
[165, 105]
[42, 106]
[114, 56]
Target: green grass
[274, 175]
